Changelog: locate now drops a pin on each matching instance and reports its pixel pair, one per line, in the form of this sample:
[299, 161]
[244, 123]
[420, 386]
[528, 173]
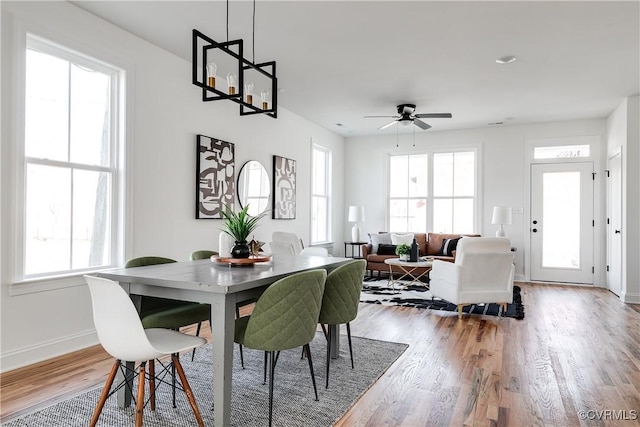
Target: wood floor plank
[578, 348]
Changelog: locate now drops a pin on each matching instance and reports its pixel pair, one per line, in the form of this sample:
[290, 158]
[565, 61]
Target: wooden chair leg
[460, 311]
[140, 398]
[105, 393]
[187, 389]
[152, 384]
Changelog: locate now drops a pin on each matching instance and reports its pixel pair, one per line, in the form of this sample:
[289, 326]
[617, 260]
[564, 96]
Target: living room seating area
[433, 245]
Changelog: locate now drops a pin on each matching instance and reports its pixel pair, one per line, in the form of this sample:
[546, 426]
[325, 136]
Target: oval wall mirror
[254, 188]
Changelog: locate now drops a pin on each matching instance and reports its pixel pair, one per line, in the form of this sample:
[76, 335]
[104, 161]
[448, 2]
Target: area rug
[294, 403]
[381, 292]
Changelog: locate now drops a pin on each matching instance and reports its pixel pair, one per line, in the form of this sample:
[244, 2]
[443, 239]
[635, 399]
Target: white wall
[166, 114]
[503, 171]
[623, 134]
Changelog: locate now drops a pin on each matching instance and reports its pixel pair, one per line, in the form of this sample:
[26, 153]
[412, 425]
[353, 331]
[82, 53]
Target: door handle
[617, 231]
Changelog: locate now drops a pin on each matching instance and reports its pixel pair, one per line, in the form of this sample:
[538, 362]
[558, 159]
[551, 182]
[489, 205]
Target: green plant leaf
[240, 225]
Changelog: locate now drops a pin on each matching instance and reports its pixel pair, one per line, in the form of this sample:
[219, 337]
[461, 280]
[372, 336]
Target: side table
[415, 270]
[353, 246]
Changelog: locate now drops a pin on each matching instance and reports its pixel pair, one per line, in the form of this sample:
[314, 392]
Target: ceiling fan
[407, 117]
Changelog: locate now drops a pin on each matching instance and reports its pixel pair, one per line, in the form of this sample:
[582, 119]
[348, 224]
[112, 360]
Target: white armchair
[482, 273]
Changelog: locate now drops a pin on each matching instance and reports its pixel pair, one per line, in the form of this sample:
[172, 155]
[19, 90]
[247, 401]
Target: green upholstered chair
[340, 301]
[167, 313]
[284, 317]
[202, 254]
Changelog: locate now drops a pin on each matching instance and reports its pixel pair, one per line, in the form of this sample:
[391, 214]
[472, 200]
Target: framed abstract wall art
[215, 177]
[284, 188]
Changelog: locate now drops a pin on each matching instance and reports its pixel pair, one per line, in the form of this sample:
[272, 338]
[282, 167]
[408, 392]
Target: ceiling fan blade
[387, 125]
[422, 125]
[434, 116]
[373, 117]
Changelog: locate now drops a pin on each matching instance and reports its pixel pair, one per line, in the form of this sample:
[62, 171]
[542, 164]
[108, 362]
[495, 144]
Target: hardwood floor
[578, 349]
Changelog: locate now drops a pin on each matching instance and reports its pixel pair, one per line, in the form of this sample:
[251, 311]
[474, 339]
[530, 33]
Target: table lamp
[502, 216]
[356, 214]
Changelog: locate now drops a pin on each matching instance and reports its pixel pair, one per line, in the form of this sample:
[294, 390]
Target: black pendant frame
[209, 93]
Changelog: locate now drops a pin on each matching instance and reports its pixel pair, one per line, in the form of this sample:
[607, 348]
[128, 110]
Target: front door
[614, 225]
[562, 222]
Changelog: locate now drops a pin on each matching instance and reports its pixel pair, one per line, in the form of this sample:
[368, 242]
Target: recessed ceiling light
[506, 59]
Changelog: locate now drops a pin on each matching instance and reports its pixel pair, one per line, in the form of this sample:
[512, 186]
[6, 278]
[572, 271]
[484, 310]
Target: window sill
[46, 284]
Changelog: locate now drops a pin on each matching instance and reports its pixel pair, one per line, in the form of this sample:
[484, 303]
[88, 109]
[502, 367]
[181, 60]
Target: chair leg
[264, 379]
[271, 371]
[350, 347]
[173, 381]
[313, 376]
[152, 384]
[460, 311]
[187, 389]
[193, 353]
[241, 356]
[329, 334]
[140, 398]
[324, 329]
[105, 393]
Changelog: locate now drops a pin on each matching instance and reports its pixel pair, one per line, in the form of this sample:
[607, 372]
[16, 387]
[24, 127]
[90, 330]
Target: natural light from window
[69, 163]
[451, 206]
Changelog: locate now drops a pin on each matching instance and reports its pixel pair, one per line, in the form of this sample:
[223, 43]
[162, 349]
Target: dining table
[221, 285]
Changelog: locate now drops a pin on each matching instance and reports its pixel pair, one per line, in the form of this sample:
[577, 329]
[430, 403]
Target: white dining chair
[315, 251]
[121, 334]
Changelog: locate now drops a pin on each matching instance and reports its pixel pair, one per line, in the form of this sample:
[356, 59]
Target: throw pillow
[376, 239]
[386, 249]
[399, 239]
[448, 246]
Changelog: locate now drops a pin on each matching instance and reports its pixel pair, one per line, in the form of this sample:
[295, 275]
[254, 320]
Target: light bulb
[266, 98]
[232, 81]
[248, 89]
[211, 73]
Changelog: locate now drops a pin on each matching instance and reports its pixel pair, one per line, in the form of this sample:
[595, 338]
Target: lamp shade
[356, 213]
[501, 215]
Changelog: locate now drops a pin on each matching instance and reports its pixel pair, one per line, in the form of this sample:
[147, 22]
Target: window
[70, 221]
[561, 152]
[320, 194]
[432, 192]
[453, 192]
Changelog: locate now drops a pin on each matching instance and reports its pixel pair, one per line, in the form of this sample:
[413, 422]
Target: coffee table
[415, 270]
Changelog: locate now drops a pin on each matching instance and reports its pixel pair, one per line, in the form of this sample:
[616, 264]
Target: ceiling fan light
[405, 122]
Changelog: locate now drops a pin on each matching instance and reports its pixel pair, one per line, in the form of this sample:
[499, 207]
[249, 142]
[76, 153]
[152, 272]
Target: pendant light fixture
[243, 76]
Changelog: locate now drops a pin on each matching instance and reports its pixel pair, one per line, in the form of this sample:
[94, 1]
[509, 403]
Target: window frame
[21, 283]
[315, 147]
[476, 150]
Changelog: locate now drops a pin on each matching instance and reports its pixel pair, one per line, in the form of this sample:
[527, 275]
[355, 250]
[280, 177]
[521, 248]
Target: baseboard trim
[630, 298]
[39, 352]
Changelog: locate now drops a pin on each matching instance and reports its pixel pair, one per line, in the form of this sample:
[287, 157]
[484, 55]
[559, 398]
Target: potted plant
[239, 226]
[403, 251]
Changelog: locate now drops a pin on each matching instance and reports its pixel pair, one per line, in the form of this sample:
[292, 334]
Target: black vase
[413, 257]
[240, 250]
